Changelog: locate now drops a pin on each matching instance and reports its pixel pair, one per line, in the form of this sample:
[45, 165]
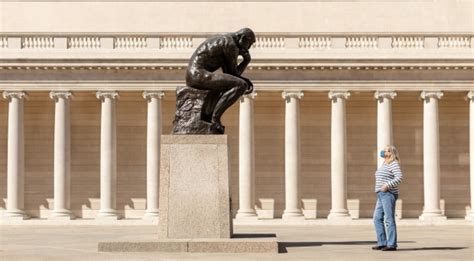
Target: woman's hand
[384, 188]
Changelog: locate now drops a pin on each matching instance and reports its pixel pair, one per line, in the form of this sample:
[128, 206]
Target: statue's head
[245, 37]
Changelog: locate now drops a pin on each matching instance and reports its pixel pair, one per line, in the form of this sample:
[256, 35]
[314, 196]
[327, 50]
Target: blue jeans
[385, 209]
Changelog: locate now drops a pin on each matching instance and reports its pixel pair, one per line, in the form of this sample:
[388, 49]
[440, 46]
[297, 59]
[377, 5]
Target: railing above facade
[265, 41]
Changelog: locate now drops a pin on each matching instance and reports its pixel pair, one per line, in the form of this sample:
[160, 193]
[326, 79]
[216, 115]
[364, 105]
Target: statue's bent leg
[209, 104]
[226, 100]
[225, 90]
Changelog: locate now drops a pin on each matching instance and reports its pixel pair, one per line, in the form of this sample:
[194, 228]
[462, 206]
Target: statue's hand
[249, 90]
[245, 54]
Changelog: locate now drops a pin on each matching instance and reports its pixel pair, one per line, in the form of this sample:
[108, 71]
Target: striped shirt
[390, 174]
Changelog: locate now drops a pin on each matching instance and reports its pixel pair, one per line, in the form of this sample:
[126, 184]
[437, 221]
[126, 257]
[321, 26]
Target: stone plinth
[194, 196]
[193, 112]
[266, 244]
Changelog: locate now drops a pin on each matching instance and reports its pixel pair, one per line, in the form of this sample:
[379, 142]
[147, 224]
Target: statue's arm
[230, 66]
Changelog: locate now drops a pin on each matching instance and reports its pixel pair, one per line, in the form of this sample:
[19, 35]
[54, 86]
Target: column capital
[426, 95]
[333, 95]
[55, 95]
[148, 95]
[8, 95]
[470, 95]
[380, 95]
[292, 94]
[101, 95]
[251, 95]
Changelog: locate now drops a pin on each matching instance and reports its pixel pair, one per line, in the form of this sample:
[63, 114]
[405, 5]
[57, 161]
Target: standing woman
[387, 178]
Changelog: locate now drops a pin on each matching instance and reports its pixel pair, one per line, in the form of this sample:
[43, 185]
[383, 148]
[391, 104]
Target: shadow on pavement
[431, 248]
[282, 246]
[253, 235]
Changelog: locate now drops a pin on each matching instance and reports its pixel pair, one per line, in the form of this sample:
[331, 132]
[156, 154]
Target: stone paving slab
[179, 245]
[297, 243]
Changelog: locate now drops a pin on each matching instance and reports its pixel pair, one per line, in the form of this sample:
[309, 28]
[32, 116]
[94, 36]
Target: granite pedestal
[194, 187]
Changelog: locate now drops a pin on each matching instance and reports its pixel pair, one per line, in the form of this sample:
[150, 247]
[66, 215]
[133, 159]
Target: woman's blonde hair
[394, 153]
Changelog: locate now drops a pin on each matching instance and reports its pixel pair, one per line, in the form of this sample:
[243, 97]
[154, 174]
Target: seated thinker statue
[221, 52]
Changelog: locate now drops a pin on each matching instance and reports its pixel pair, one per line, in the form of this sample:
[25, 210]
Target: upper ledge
[286, 55]
[259, 86]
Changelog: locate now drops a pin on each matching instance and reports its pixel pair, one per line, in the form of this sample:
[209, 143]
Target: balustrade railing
[304, 42]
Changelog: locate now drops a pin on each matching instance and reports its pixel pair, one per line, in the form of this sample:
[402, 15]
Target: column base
[246, 215]
[292, 215]
[339, 215]
[62, 215]
[15, 215]
[155, 214]
[108, 215]
[432, 216]
[470, 216]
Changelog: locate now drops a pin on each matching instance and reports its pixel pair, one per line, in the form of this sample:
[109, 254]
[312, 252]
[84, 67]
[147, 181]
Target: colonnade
[108, 153]
[62, 154]
[339, 210]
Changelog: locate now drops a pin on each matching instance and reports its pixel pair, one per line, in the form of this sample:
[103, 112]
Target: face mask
[382, 153]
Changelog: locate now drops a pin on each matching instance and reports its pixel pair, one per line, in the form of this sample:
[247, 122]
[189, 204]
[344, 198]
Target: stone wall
[263, 16]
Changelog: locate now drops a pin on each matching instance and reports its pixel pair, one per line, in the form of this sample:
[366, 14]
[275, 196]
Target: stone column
[246, 159]
[153, 135]
[384, 121]
[431, 172]
[15, 156]
[62, 156]
[292, 155]
[108, 155]
[338, 156]
[470, 96]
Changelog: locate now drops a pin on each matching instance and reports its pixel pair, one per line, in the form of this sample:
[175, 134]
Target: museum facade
[89, 88]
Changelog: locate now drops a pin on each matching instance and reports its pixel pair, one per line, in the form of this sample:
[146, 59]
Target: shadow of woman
[430, 248]
[282, 246]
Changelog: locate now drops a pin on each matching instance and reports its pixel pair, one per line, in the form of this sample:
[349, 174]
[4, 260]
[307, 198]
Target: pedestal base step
[240, 243]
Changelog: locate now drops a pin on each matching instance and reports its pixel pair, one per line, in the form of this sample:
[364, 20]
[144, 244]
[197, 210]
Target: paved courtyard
[296, 243]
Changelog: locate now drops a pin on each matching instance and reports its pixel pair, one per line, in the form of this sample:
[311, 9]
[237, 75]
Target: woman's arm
[398, 175]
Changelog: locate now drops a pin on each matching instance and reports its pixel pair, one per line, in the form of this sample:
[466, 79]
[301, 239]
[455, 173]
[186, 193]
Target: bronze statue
[220, 89]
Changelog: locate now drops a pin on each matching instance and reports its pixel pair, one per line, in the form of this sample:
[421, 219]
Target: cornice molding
[429, 66]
